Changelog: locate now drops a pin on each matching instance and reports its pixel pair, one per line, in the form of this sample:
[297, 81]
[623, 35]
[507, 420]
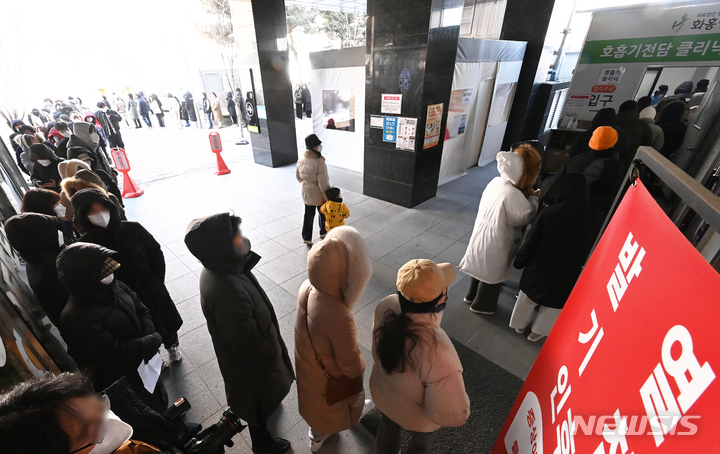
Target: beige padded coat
[312, 174]
[339, 268]
[430, 396]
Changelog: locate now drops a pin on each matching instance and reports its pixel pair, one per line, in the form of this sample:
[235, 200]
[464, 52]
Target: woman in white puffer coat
[312, 174]
[507, 205]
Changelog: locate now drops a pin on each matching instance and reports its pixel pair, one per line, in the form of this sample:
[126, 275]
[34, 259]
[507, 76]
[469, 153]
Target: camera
[214, 439]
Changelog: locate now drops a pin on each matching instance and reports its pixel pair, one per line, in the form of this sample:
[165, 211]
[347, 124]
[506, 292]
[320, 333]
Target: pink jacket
[430, 396]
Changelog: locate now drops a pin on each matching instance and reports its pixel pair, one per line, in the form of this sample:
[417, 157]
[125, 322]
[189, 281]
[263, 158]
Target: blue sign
[390, 129]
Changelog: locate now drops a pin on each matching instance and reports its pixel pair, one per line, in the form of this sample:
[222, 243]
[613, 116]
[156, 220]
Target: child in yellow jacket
[334, 209]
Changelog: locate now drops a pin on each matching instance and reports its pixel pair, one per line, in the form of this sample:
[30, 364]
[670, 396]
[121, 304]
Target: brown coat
[339, 268]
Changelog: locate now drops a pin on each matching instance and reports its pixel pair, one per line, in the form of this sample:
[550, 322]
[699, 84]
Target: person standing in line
[190, 106]
[326, 342]
[307, 101]
[252, 356]
[216, 110]
[142, 260]
[298, 101]
[174, 107]
[157, 108]
[334, 209]
[648, 115]
[312, 174]
[184, 115]
[207, 109]
[107, 328]
[144, 109]
[133, 112]
[416, 380]
[231, 109]
[507, 205]
[122, 109]
[240, 104]
[110, 122]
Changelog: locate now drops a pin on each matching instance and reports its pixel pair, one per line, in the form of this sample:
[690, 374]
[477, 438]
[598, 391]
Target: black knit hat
[312, 141]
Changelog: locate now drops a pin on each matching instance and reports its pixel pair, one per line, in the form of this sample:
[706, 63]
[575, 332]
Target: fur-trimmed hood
[340, 266]
[73, 184]
[70, 167]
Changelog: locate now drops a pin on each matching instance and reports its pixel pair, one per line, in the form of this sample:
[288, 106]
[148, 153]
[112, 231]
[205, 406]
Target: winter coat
[190, 105]
[132, 107]
[35, 237]
[143, 106]
[109, 120]
[559, 242]
[81, 138]
[433, 394]
[217, 111]
[604, 178]
[121, 106]
[253, 359]
[307, 99]
[85, 179]
[240, 106]
[684, 90]
[339, 269]
[335, 214]
[629, 121]
[156, 107]
[206, 105]
[44, 174]
[231, 105]
[312, 174]
[504, 211]
[648, 115]
[140, 256]
[298, 96]
[673, 127]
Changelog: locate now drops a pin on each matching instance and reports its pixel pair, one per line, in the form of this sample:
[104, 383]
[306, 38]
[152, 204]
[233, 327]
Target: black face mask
[408, 307]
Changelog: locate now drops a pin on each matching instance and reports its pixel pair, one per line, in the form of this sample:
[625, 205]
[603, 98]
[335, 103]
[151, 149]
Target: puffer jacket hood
[510, 166]
[78, 151]
[80, 270]
[210, 240]
[70, 167]
[648, 114]
[604, 117]
[340, 266]
[684, 88]
[81, 136]
[40, 151]
[83, 200]
[626, 117]
[34, 236]
[567, 187]
[16, 123]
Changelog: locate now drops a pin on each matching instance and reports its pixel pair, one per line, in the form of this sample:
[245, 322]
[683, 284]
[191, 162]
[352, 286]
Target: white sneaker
[175, 354]
[520, 330]
[308, 242]
[322, 237]
[534, 337]
[316, 442]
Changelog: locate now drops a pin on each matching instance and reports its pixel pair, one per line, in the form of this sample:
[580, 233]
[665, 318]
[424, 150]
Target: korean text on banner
[631, 363]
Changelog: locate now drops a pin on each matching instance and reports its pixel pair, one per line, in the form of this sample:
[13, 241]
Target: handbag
[338, 388]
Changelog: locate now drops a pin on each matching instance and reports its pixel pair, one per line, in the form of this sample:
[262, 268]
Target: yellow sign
[102, 90]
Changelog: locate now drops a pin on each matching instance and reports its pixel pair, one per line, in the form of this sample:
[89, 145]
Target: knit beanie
[603, 138]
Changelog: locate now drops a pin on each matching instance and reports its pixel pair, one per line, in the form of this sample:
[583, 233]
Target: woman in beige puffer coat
[339, 269]
[312, 174]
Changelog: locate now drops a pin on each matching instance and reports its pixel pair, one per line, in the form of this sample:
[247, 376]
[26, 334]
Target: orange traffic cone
[220, 167]
[130, 188]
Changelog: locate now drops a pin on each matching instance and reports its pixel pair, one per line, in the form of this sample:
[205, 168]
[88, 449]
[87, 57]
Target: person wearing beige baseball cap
[416, 381]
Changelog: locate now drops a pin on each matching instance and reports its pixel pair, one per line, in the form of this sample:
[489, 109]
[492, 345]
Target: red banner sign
[631, 364]
[215, 142]
[120, 159]
[603, 88]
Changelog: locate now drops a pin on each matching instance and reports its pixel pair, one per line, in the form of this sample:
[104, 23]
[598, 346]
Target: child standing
[334, 209]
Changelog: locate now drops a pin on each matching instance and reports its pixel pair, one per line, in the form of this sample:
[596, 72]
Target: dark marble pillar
[525, 20]
[420, 36]
[275, 145]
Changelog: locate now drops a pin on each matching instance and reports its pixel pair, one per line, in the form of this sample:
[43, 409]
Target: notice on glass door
[406, 130]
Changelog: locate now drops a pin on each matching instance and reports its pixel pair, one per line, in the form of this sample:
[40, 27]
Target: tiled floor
[174, 169]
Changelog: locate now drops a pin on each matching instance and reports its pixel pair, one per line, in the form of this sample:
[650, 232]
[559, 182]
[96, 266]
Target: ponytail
[390, 339]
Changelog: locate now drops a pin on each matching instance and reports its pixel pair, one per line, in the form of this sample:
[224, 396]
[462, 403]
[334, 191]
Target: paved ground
[174, 169]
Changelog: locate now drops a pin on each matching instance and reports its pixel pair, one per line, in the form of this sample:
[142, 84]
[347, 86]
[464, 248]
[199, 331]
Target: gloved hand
[151, 343]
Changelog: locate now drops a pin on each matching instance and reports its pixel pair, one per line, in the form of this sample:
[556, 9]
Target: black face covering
[408, 307]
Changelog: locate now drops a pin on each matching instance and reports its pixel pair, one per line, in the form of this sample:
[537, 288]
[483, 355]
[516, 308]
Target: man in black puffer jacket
[142, 260]
[108, 331]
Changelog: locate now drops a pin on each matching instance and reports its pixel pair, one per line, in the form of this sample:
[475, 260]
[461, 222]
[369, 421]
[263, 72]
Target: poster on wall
[460, 99]
[406, 130]
[611, 76]
[391, 104]
[390, 129]
[617, 375]
[456, 123]
[376, 121]
[432, 125]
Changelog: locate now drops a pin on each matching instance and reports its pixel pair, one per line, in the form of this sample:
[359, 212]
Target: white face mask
[44, 162]
[66, 133]
[103, 109]
[115, 431]
[107, 280]
[319, 148]
[101, 219]
[60, 210]
[94, 137]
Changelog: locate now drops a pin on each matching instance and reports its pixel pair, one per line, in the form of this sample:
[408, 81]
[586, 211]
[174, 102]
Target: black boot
[487, 297]
[278, 446]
